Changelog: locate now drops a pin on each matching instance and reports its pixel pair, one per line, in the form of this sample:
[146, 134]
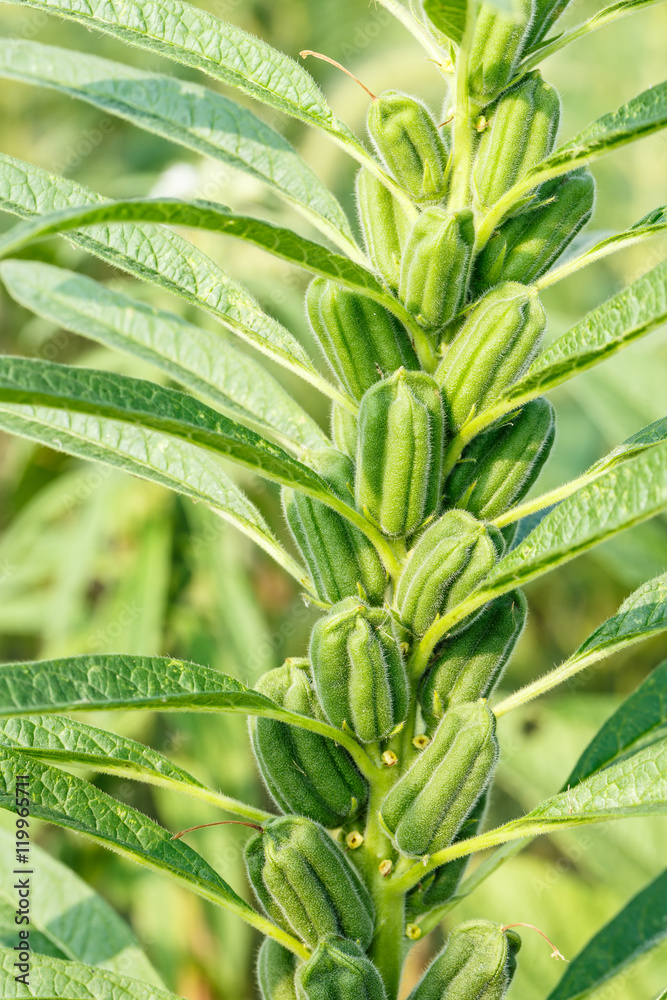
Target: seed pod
[344, 430]
[521, 133]
[399, 452]
[436, 263]
[525, 246]
[492, 350]
[386, 224]
[359, 338]
[425, 809]
[450, 559]
[305, 773]
[496, 48]
[276, 967]
[340, 558]
[305, 884]
[478, 961]
[359, 671]
[470, 664]
[407, 138]
[339, 970]
[442, 885]
[498, 467]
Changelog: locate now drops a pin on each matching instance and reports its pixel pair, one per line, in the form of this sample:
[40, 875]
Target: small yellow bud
[481, 123]
[413, 931]
[354, 839]
[421, 742]
[389, 758]
[386, 867]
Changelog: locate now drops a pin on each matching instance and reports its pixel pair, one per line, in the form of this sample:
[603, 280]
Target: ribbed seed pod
[491, 351]
[305, 773]
[450, 559]
[407, 138]
[305, 884]
[470, 664]
[521, 132]
[359, 671]
[399, 452]
[340, 558]
[276, 967]
[359, 338]
[424, 810]
[478, 961]
[525, 246]
[442, 885]
[436, 264]
[386, 225]
[496, 48]
[344, 429]
[546, 14]
[339, 970]
[498, 467]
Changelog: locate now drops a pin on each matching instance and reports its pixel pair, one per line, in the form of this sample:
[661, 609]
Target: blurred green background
[92, 561]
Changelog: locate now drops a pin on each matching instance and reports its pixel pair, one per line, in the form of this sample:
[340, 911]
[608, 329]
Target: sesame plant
[415, 519]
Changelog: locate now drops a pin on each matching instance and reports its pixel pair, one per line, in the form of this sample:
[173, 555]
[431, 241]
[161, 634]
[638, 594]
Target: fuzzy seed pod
[436, 263]
[305, 773]
[450, 559]
[424, 810]
[478, 961]
[386, 225]
[498, 467]
[470, 664]
[525, 246]
[496, 48]
[344, 429]
[521, 132]
[276, 967]
[359, 338]
[359, 671]
[493, 348]
[306, 885]
[407, 138]
[339, 970]
[340, 558]
[399, 452]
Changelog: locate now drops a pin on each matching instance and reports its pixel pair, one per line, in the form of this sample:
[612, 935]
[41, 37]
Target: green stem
[418, 31]
[463, 132]
[546, 499]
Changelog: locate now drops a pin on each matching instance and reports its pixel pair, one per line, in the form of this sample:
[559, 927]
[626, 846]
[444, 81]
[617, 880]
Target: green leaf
[647, 228]
[197, 358]
[448, 16]
[195, 38]
[193, 116]
[639, 927]
[642, 615]
[72, 918]
[161, 458]
[639, 718]
[74, 804]
[65, 741]
[618, 322]
[162, 258]
[53, 979]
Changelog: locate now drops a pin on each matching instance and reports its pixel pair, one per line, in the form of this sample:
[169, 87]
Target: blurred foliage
[93, 561]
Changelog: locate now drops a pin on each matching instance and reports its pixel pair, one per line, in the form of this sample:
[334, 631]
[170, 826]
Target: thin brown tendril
[318, 55]
[221, 822]
[555, 953]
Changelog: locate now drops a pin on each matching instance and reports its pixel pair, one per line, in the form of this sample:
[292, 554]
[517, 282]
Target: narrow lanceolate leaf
[276, 240]
[72, 803]
[639, 927]
[618, 322]
[642, 616]
[69, 742]
[195, 38]
[52, 978]
[641, 717]
[161, 458]
[186, 113]
[72, 918]
[160, 257]
[105, 394]
[203, 361]
[647, 228]
[448, 16]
